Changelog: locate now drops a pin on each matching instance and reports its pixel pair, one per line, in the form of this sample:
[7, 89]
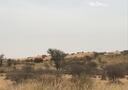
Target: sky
[30, 27]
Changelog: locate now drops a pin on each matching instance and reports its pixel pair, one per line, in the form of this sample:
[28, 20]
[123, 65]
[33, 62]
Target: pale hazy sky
[30, 27]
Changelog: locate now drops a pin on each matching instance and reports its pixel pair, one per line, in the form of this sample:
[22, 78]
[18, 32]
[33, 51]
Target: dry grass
[52, 83]
[104, 85]
[5, 84]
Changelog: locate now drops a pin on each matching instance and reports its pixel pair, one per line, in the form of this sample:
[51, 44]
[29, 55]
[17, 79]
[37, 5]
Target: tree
[1, 59]
[57, 56]
[114, 72]
[9, 62]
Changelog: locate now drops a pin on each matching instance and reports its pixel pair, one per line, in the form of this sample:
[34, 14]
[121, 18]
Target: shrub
[74, 69]
[9, 62]
[17, 75]
[114, 72]
[91, 68]
[28, 72]
[77, 67]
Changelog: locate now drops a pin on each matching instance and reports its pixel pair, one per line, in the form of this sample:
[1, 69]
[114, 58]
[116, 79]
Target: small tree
[114, 72]
[1, 59]
[9, 62]
[57, 56]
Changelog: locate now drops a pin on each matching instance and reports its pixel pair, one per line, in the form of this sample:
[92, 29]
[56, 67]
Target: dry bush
[78, 67]
[28, 72]
[17, 75]
[116, 71]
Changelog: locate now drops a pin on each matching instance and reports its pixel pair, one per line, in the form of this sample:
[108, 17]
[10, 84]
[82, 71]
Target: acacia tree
[1, 59]
[57, 56]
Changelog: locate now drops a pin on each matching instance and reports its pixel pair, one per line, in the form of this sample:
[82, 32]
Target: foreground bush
[18, 75]
[28, 72]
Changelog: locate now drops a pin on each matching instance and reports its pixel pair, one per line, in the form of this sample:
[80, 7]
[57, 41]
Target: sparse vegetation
[67, 73]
